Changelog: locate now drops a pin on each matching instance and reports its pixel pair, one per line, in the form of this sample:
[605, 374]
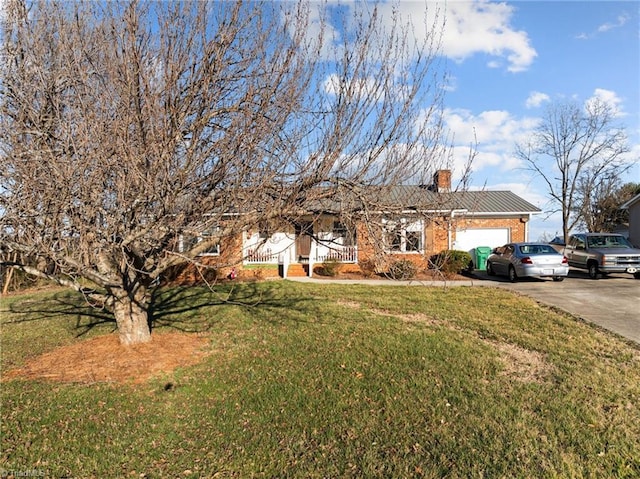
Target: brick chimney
[442, 181]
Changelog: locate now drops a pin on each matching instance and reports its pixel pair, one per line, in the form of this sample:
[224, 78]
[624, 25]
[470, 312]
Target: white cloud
[620, 21]
[610, 98]
[468, 28]
[545, 227]
[361, 87]
[495, 132]
[484, 27]
[536, 99]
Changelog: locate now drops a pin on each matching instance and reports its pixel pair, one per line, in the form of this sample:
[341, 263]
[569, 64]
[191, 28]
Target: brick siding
[369, 238]
[436, 238]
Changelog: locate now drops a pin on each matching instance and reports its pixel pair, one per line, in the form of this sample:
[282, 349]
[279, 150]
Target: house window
[404, 236]
[341, 232]
[213, 236]
[394, 239]
[413, 241]
[188, 242]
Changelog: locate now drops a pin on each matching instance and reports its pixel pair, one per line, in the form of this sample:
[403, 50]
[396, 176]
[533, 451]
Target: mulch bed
[104, 359]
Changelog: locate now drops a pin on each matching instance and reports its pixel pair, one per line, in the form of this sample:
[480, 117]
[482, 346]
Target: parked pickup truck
[602, 253]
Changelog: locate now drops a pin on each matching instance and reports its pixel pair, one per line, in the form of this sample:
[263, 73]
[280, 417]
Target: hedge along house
[412, 222]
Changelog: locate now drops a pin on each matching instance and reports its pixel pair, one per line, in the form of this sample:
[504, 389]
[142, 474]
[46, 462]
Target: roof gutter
[632, 201]
[502, 213]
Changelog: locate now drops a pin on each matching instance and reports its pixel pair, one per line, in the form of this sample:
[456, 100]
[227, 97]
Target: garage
[467, 239]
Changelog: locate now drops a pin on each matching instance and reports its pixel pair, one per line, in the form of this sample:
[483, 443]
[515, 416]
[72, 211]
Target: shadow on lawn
[65, 303]
[199, 309]
[187, 309]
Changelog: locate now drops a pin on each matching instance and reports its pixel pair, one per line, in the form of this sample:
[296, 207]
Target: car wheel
[593, 270]
[636, 275]
[490, 270]
[558, 278]
[513, 277]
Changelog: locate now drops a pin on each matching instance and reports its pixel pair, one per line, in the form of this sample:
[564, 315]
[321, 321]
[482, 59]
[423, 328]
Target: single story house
[633, 206]
[434, 218]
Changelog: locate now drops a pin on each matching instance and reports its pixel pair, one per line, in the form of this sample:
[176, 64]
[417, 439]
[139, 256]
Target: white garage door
[470, 238]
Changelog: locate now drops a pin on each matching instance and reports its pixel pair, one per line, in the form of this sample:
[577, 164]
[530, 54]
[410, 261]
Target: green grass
[333, 381]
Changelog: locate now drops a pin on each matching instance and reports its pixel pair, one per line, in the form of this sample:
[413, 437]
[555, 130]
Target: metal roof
[484, 201]
[424, 199]
[496, 202]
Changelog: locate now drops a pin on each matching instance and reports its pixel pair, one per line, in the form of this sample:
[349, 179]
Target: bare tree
[602, 203]
[126, 126]
[574, 149]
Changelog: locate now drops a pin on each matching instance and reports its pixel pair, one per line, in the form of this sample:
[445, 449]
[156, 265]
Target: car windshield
[537, 249]
[608, 241]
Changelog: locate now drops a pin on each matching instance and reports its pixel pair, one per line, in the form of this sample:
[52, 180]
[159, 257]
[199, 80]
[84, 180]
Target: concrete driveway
[612, 302]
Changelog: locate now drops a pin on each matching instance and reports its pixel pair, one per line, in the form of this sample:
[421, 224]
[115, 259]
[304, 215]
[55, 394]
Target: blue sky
[508, 60]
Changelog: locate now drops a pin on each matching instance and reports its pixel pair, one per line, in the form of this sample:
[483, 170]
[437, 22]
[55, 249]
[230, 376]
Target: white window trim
[406, 226]
[199, 239]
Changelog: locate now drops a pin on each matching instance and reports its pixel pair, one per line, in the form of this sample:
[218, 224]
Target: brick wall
[370, 249]
[211, 267]
[436, 238]
[369, 240]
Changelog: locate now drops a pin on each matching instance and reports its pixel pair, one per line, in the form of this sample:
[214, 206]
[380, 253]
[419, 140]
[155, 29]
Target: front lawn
[308, 380]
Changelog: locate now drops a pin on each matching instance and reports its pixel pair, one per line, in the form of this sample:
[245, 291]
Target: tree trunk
[132, 318]
[9, 276]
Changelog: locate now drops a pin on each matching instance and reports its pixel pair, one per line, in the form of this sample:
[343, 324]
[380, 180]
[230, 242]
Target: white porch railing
[339, 253]
[319, 253]
[263, 256]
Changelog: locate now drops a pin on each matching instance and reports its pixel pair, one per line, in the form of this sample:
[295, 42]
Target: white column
[312, 256]
[283, 260]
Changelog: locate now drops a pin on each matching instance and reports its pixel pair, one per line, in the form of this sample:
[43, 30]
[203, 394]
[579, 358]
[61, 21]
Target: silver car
[518, 260]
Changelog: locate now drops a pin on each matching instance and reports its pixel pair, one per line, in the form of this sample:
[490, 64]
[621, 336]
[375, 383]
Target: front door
[303, 230]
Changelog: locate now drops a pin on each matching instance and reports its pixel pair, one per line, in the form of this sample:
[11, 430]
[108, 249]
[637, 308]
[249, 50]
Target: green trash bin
[482, 253]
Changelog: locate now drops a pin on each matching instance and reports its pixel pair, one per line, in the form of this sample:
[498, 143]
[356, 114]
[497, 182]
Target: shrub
[450, 261]
[368, 267]
[209, 275]
[330, 267]
[402, 269]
